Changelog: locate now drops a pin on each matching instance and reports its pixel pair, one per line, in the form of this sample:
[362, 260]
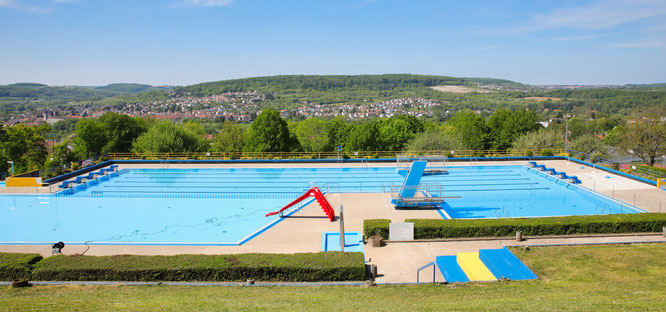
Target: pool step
[448, 266]
[504, 264]
[474, 268]
[485, 265]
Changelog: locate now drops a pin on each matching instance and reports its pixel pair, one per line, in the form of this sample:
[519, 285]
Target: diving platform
[412, 193]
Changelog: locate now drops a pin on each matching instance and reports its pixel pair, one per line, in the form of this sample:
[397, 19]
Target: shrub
[376, 227]
[17, 266]
[627, 223]
[303, 267]
[547, 152]
[439, 228]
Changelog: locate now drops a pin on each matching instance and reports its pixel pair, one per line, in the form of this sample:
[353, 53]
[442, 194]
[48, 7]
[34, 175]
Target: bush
[376, 227]
[17, 266]
[438, 228]
[547, 152]
[303, 267]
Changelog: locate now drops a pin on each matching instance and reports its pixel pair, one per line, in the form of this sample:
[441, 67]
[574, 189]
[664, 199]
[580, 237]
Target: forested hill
[41, 91]
[131, 88]
[271, 84]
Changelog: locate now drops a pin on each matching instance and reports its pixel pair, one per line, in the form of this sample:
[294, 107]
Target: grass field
[610, 277]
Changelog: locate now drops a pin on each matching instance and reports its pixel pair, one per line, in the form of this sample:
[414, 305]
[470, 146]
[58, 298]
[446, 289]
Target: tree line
[643, 134]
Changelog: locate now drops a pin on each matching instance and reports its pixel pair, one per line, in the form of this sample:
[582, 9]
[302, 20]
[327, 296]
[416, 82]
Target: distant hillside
[318, 83]
[38, 91]
[28, 84]
[647, 86]
[130, 88]
[42, 91]
[500, 82]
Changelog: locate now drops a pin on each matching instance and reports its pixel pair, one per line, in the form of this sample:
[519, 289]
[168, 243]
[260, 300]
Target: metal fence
[636, 170]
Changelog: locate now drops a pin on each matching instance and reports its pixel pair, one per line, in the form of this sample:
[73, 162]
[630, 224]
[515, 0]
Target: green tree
[505, 126]
[435, 140]
[471, 129]
[364, 137]
[119, 131]
[168, 137]
[270, 133]
[589, 144]
[397, 131]
[540, 139]
[338, 132]
[645, 136]
[231, 138]
[90, 137]
[313, 134]
[25, 146]
[61, 155]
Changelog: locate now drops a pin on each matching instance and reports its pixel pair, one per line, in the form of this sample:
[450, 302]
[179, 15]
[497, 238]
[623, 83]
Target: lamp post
[52, 142]
[566, 134]
[11, 162]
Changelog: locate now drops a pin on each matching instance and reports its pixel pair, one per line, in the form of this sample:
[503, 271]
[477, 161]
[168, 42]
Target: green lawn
[609, 278]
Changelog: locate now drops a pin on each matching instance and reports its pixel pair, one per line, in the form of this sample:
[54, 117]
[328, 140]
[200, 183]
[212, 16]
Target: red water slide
[319, 197]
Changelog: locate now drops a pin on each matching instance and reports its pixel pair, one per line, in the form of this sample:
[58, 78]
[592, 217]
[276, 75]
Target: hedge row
[376, 227]
[17, 266]
[438, 228]
[304, 267]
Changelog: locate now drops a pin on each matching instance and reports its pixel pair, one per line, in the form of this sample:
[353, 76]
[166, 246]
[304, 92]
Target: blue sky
[180, 42]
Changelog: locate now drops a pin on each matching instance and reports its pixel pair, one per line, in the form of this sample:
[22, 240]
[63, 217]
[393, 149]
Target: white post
[342, 230]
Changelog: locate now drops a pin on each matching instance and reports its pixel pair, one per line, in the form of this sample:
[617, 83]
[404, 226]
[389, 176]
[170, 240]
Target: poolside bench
[113, 167]
[531, 164]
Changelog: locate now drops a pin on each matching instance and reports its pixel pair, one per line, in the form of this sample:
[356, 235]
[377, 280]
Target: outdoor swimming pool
[228, 206]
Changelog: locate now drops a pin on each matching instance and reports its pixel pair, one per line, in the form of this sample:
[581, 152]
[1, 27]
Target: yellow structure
[661, 183]
[473, 267]
[23, 182]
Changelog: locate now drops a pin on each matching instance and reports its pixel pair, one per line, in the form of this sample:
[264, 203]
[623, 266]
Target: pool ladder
[502, 212]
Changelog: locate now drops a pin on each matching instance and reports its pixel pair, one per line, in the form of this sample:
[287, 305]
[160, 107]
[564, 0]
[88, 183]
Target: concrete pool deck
[397, 262]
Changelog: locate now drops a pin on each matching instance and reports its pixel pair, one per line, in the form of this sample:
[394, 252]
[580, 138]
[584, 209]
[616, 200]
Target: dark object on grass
[20, 283]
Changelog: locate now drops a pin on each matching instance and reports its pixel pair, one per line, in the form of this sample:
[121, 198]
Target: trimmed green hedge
[376, 227]
[439, 228]
[303, 267]
[17, 266]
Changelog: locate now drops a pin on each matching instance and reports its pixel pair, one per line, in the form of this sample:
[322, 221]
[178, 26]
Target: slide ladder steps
[319, 197]
[450, 269]
[504, 264]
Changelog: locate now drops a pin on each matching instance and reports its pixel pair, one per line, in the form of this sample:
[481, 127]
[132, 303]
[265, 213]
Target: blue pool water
[228, 206]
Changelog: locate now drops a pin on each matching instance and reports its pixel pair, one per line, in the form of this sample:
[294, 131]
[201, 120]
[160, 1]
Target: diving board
[413, 179]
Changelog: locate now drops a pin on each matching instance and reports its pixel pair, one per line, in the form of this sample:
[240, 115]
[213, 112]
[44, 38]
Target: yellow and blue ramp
[485, 265]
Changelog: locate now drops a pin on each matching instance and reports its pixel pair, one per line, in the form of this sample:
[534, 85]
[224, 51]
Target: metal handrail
[639, 170]
[365, 155]
[434, 268]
